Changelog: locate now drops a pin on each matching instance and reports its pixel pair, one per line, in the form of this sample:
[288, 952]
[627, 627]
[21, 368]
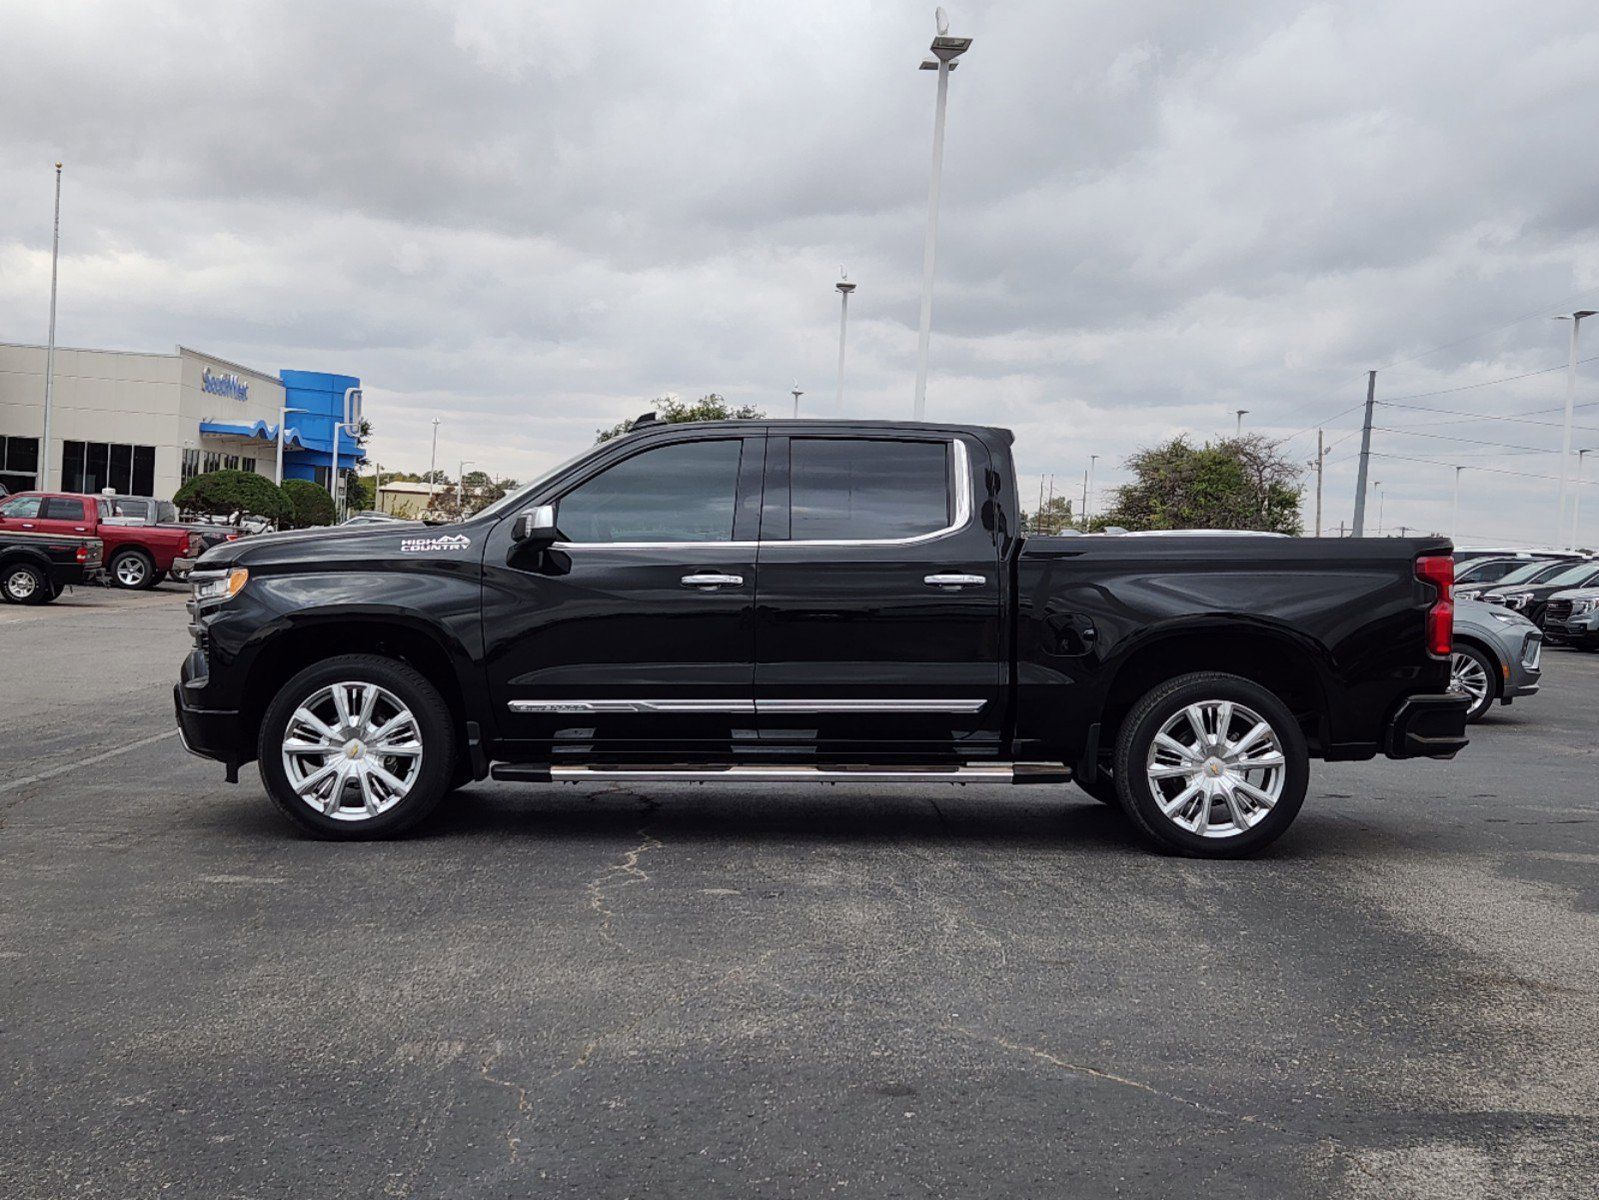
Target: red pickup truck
[136, 556]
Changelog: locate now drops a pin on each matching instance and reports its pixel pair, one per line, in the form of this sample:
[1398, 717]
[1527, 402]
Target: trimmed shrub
[234, 494]
[310, 503]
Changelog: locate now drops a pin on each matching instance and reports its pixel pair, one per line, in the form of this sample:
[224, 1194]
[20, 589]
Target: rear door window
[61, 508]
[867, 489]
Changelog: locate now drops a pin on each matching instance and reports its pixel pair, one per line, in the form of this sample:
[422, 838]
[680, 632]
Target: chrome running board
[777, 773]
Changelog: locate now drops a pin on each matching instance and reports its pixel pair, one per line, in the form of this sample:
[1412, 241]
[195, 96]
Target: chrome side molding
[880, 707]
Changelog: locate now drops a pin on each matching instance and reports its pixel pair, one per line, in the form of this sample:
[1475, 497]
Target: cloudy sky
[531, 218]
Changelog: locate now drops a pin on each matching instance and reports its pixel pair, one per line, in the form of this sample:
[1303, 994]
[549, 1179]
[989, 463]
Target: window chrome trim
[963, 517]
[750, 707]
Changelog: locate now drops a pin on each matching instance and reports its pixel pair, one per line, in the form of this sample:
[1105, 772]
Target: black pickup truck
[812, 600]
[35, 568]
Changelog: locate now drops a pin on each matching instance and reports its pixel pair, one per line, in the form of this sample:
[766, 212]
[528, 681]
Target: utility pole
[1038, 517]
[945, 50]
[1321, 459]
[1088, 490]
[845, 287]
[1365, 456]
[43, 466]
[1576, 319]
[1576, 500]
[1082, 513]
[1454, 517]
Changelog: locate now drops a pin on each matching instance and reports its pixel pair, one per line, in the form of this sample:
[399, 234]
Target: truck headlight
[220, 587]
[1518, 600]
[1585, 606]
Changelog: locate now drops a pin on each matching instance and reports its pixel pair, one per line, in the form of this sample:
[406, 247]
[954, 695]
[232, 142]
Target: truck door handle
[712, 580]
[954, 580]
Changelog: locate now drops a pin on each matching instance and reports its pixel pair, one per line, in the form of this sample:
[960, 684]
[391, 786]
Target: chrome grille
[1558, 610]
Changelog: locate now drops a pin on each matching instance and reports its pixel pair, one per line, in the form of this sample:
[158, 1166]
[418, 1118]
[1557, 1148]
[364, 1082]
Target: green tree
[359, 494]
[1052, 518]
[1239, 483]
[233, 494]
[709, 407]
[310, 503]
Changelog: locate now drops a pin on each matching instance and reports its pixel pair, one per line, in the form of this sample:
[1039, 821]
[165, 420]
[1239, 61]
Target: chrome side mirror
[536, 525]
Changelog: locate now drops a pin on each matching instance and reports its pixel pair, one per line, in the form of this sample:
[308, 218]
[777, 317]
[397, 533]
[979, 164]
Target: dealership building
[143, 424]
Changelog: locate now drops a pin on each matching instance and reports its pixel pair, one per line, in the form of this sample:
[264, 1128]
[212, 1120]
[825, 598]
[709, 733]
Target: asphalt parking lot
[689, 992]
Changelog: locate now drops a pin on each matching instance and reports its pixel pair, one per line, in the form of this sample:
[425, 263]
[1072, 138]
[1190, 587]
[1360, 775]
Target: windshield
[514, 500]
[1573, 575]
[1531, 572]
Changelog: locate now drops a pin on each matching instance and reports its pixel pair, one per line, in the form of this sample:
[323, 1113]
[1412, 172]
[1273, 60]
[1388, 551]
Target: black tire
[1485, 663]
[1138, 792]
[24, 583]
[131, 570]
[159, 577]
[435, 729]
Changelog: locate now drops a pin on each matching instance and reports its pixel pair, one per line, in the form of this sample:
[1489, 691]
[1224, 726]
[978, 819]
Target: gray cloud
[531, 218]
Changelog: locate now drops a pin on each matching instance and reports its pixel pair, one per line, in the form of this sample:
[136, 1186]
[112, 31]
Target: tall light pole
[43, 475]
[1088, 491]
[1377, 483]
[1565, 436]
[1320, 463]
[945, 50]
[433, 460]
[283, 420]
[1454, 516]
[845, 287]
[1238, 431]
[1576, 499]
[460, 481]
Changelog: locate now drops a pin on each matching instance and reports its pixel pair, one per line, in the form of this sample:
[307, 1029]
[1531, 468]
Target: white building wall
[135, 399]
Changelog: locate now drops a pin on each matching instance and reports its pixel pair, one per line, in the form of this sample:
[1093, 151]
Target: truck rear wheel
[24, 583]
[358, 746]
[1211, 766]
[132, 569]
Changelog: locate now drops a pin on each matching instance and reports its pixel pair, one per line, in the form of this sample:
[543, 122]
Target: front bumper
[213, 733]
[181, 568]
[1579, 631]
[1431, 726]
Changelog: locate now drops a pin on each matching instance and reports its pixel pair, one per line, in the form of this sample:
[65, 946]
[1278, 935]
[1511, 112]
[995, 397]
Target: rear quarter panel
[1351, 609]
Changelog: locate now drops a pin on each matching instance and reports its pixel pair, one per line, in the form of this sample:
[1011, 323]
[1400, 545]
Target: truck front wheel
[1211, 765]
[358, 746]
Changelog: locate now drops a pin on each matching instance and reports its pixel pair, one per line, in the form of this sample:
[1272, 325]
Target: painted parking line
[14, 784]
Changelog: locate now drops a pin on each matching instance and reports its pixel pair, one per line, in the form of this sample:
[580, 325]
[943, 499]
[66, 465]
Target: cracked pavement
[692, 991]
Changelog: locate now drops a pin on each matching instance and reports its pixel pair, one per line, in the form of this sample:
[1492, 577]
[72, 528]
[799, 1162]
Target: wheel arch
[1284, 662]
[280, 651]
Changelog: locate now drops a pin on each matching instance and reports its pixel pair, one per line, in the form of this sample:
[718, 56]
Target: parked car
[1532, 598]
[371, 517]
[1497, 655]
[148, 511]
[601, 624]
[1486, 572]
[1528, 573]
[1572, 618]
[35, 568]
[136, 556]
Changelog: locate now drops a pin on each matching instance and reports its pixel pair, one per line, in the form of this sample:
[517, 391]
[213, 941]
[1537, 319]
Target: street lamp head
[948, 49]
[1578, 315]
[845, 286]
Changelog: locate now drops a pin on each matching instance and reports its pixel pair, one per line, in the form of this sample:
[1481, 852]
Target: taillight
[1438, 571]
[83, 552]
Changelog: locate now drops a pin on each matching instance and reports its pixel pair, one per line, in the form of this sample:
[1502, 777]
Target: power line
[1453, 412]
[1466, 387]
[1448, 437]
[1541, 312]
[1436, 462]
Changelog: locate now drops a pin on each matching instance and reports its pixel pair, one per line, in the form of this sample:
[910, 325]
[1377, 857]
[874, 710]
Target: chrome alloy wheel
[352, 751]
[130, 570]
[1466, 675]
[1216, 768]
[20, 585]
